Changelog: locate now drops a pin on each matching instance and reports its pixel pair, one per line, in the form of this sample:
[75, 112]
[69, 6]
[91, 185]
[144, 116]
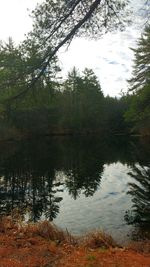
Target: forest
[36, 100]
[72, 156]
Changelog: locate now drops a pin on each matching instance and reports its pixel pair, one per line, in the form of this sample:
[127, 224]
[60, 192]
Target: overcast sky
[110, 57]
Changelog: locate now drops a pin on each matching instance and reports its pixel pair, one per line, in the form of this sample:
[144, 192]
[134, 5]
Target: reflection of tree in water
[28, 182]
[29, 179]
[28, 192]
[28, 171]
[83, 180]
[140, 192]
[85, 166]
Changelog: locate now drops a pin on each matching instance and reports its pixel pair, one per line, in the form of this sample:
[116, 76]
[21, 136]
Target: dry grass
[6, 223]
[49, 231]
[140, 246]
[45, 229]
[98, 239]
[43, 244]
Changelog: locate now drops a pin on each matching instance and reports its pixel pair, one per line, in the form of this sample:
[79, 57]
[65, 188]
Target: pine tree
[141, 72]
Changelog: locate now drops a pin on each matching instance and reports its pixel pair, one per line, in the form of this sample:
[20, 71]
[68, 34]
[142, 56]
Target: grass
[49, 231]
[43, 244]
[98, 239]
[91, 257]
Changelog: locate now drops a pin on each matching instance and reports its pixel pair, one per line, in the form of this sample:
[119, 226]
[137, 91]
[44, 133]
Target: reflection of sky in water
[34, 175]
[105, 210]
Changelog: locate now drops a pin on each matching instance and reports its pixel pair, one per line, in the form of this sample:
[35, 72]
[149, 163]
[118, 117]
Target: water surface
[80, 183]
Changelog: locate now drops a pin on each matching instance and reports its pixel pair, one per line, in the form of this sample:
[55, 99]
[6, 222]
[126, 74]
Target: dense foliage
[141, 68]
[139, 110]
[56, 23]
[34, 99]
[74, 105]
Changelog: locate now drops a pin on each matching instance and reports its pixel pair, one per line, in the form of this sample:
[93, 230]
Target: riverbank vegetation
[43, 244]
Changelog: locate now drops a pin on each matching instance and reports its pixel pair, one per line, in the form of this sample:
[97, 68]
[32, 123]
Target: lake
[79, 183]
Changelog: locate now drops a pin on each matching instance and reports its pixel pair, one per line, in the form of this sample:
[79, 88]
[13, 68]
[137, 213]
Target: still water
[79, 183]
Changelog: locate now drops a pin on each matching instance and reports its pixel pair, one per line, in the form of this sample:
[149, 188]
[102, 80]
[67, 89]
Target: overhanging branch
[47, 58]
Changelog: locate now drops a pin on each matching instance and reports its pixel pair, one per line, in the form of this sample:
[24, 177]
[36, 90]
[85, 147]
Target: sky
[110, 57]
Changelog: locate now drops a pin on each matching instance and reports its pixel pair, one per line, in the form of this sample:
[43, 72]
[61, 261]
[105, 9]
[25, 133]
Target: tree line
[54, 106]
[139, 109]
[34, 99]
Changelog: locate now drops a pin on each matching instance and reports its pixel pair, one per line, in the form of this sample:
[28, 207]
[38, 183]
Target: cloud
[14, 16]
[110, 57]
[113, 62]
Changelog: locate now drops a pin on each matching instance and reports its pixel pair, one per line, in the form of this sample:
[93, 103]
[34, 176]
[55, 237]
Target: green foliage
[141, 71]
[12, 70]
[56, 23]
[140, 192]
[139, 110]
[19, 65]
[113, 115]
[82, 97]
[31, 98]
[16, 71]
[56, 20]
[75, 106]
[91, 257]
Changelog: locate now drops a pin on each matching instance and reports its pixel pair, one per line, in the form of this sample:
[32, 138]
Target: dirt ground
[108, 258]
[45, 246]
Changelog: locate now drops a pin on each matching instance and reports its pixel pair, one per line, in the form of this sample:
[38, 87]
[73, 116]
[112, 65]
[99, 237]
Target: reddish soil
[36, 246]
[105, 258]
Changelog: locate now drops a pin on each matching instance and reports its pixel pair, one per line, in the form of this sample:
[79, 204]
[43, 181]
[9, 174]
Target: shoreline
[43, 244]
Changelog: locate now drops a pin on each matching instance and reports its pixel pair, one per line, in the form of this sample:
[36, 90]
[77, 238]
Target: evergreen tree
[141, 69]
[56, 23]
[139, 110]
